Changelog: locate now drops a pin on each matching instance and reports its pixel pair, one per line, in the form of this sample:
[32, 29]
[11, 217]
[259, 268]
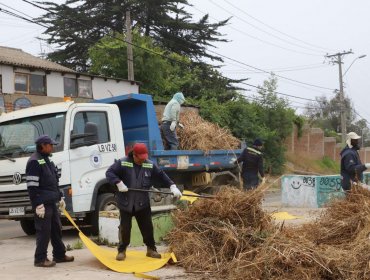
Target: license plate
[16, 211]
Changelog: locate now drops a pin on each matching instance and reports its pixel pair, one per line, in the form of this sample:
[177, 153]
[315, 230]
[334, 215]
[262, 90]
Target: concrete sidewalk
[16, 262]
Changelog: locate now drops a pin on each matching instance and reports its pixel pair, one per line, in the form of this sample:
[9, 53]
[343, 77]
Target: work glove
[367, 165]
[62, 204]
[175, 191]
[173, 126]
[122, 187]
[263, 180]
[40, 211]
[181, 126]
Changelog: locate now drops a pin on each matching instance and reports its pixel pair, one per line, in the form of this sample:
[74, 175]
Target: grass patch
[324, 166]
[75, 246]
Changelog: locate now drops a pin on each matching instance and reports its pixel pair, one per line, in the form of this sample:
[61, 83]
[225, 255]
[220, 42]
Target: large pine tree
[77, 25]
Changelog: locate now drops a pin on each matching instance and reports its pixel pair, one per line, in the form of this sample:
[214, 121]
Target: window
[21, 83]
[77, 88]
[37, 84]
[98, 118]
[70, 87]
[1, 85]
[30, 83]
[85, 88]
[17, 137]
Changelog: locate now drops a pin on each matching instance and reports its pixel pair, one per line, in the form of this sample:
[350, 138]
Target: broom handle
[153, 191]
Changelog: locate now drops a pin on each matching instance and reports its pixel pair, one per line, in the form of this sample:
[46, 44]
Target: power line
[262, 70]
[275, 29]
[16, 10]
[266, 32]
[277, 71]
[259, 39]
[261, 88]
[20, 17]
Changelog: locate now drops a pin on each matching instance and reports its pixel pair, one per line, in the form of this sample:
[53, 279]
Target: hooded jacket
[172, 110]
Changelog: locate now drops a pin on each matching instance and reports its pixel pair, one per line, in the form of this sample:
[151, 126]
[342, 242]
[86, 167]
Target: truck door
[92, 150]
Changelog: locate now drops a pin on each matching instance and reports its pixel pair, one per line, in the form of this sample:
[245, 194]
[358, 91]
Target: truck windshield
[17, 137]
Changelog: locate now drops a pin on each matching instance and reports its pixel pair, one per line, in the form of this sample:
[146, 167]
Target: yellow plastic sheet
[136, 261]
[284, 216]
[191, 199]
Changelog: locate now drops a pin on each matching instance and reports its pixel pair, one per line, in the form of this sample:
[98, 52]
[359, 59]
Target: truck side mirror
[90, 136]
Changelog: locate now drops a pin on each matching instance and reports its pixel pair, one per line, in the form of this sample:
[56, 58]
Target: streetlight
[359, 57]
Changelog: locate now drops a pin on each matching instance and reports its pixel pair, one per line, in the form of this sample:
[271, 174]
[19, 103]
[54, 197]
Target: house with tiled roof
[27, 80]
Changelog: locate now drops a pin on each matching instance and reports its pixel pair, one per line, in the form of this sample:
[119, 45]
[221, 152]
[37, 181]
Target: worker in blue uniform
[170, 120]
[136, 171]
[252, 165]
[43, 188]
[351, 167]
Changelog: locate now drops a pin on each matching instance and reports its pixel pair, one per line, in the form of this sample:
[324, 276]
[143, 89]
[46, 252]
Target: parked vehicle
[91, 136]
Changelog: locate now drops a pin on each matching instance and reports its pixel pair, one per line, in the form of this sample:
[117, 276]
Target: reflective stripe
[126, 163]
[32, 184]
[254, 150]
[147, 165]
[32, 178]
[41, 161]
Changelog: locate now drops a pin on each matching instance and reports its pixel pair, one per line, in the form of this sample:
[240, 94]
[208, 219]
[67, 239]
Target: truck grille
[14, 199]
[8, 180]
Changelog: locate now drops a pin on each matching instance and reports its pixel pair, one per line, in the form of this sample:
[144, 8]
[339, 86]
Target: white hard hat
[350, 136]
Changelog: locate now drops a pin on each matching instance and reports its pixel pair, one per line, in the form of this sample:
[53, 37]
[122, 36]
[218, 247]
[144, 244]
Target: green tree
[160, 76]
[77, 25]
[268, 117]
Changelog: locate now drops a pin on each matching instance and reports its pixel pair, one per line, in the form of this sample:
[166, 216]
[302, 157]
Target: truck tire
[104, 202]
[28, 226]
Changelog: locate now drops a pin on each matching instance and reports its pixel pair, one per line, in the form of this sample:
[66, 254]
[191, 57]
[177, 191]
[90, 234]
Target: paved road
[10, 229]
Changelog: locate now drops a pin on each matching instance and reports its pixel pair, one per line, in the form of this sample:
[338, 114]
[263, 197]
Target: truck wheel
[105, 202]
[28, 226]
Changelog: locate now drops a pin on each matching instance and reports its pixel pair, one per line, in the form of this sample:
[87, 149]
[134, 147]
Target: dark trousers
[48, 229]
[170, 137]
[144, 221]
[250, 181]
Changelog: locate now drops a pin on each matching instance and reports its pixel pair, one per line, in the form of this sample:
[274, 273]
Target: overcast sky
[288, 37]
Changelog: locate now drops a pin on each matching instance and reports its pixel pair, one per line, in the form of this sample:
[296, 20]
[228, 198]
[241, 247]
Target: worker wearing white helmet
[351, 167]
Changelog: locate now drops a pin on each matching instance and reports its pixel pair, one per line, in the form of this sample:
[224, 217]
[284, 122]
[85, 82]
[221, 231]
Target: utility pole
[337, 58]
[130, 57]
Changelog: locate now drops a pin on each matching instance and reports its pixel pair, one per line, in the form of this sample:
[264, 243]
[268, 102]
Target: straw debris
[231, 237]
[199, 134]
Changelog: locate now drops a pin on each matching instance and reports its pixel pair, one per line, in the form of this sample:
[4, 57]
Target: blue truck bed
[139, 124]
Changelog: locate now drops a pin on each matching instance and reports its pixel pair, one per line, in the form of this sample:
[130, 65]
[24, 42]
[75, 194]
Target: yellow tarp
[284, 216]
[136, 262]
[191, 199]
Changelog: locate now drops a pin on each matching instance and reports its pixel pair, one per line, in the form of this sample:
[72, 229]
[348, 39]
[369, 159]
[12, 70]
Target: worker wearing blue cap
[252, 165]
[43, 189]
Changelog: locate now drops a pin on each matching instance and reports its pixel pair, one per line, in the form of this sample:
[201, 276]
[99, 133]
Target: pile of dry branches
[199, 134]
[231, 237]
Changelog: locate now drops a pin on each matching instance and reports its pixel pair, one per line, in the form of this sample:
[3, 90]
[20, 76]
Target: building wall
[329, 147]
[7, 79]
[101, 87]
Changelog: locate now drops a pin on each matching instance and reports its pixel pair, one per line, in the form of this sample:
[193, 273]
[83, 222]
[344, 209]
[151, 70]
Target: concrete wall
[329, 147]
[311, 143]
